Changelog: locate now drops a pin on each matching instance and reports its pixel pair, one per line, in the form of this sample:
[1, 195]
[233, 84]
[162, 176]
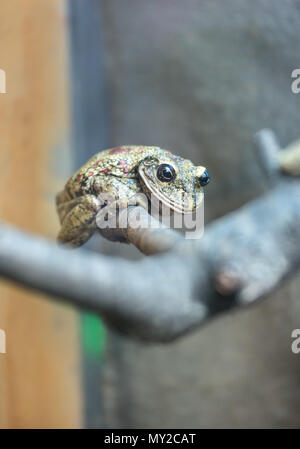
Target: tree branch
[241, 258]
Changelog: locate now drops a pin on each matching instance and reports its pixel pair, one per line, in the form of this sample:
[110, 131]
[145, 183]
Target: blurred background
[198, 78]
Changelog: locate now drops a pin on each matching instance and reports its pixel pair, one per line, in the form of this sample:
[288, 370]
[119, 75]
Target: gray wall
[199, 78]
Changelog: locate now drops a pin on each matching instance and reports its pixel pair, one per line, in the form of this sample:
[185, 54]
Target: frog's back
[119, 161]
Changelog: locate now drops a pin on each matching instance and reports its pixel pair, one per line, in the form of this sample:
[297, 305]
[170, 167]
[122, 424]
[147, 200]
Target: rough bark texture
[201, 78]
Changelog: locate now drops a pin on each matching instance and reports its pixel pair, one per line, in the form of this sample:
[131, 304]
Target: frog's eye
[165, 173]
[204, 178]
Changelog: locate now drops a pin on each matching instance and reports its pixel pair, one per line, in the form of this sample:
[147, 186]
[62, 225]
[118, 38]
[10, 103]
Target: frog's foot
[108, 222]
[78, 220]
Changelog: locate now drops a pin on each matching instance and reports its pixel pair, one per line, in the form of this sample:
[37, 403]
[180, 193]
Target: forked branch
[241, 258]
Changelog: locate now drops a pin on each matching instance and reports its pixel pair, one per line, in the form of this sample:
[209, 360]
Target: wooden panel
[40, 373]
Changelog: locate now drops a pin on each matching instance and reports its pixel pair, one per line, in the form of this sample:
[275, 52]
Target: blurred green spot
[93, 335]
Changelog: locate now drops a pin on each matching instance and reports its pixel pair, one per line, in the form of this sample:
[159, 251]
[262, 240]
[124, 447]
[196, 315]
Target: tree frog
[125, 172]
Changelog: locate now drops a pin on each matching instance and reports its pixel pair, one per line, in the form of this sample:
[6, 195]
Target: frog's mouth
[182, 203]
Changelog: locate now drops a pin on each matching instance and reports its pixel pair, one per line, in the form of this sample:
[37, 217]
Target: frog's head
[174, 181]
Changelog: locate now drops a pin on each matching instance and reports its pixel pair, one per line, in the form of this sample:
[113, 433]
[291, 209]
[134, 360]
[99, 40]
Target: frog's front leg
[78, 219]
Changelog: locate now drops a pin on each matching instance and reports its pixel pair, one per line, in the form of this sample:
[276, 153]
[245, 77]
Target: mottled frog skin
[125, 172]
